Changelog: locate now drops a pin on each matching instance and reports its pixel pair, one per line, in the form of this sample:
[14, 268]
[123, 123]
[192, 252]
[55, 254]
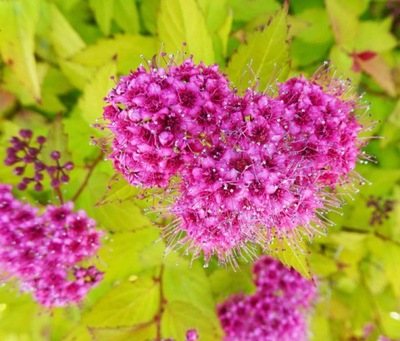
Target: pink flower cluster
[276, 311]
[242, 169]
[43, 250]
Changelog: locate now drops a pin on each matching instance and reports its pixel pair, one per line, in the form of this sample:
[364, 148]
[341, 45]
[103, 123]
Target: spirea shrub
[240, 168]
[278, 310]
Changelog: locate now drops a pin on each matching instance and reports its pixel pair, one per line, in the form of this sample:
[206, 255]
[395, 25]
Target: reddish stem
[88, 175]
[158, 316]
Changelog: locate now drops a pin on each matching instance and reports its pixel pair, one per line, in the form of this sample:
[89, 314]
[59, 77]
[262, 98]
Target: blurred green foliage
[57, 58]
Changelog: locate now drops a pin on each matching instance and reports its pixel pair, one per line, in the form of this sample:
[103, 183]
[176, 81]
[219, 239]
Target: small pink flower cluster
[243, 168]
[43, 250]
[276, 311]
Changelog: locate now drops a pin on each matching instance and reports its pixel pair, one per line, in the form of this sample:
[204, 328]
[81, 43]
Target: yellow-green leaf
[374, 36]
[179, 317]
[190, 285]
[91, 103]
[122, 253]
[223, 33]
[292, 253]
[119, 191]
[18, 20]
[145, 331]
[215, 13]
[225, 282]
[78, 75]
[264, 57]
[125, 49]
[128, 304]
[126, 15]
[182, 21]
[103, 12]
[246, 10]
[57, 140]
[344, 23]
[65, 39]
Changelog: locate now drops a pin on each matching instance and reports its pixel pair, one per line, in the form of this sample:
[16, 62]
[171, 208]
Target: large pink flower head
[44, 251]
[162, 118]
[242, 168]
[278, 310]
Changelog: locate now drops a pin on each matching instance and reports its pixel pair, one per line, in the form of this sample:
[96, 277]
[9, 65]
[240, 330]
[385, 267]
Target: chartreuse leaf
[148, 12]
[215, 13]
[321, 264]
[394, 117]
[344, 23]
[16, 311]
[131, 304]
[320, 327]
[122, 216]
[123, 253]
[115, 217]
[188, 284]
[389, 254]
[225, 282]
[126, 15]
[78, 75]
[374, 36]
[357, 7]
[292, 253]
[79, 133]
[128, 304]
[223, 33]
[18, 20]
[343, 64]
[103, 13]
[145, 331]
[57, 140]
[218, 21]
[178, 317]
[182, 21]
[118, 191]
[54, 84]
[249, 9]
[299, 6]
[64, 38]
[91, 103]
[125, 49]
[265, 56]
[363, 300]
[317, 29]
[66, 6]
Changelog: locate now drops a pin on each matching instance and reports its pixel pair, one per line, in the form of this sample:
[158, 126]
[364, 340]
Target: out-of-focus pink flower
[277, 311]
[43, 251]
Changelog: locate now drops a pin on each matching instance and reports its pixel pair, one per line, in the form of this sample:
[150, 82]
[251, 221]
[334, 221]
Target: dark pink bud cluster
[244, 169]
[43, 251]
[25, 153]
[278, 309]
